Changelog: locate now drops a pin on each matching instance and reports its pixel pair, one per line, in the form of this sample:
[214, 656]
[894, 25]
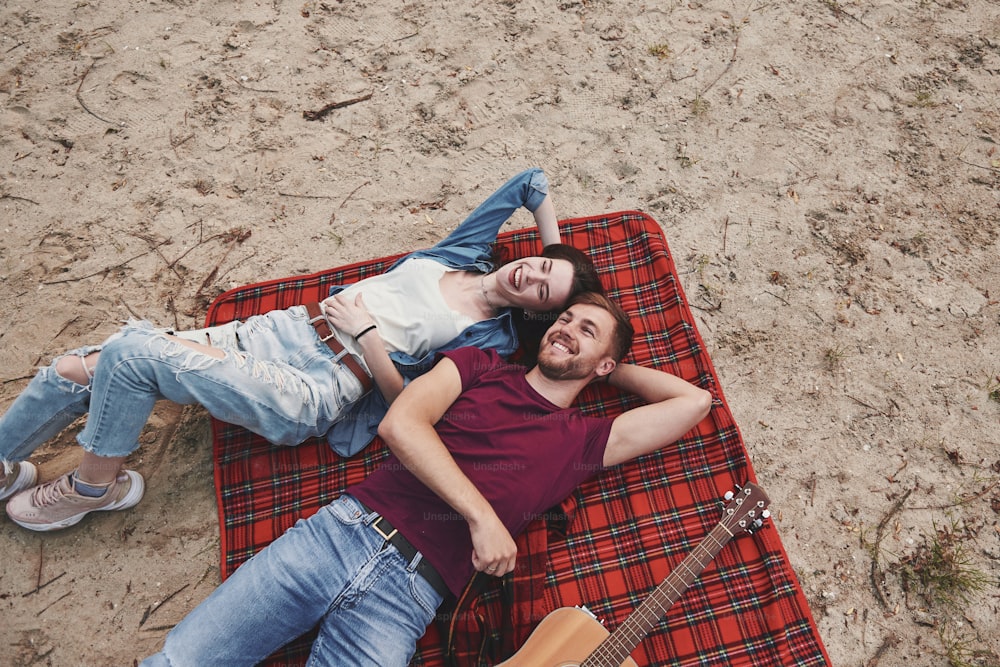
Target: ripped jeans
[277, 379]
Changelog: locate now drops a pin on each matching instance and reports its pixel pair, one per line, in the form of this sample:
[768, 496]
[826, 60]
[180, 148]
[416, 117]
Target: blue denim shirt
[467, 248]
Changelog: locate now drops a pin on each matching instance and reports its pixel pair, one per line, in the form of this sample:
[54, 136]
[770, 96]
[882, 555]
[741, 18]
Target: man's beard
[567, 369]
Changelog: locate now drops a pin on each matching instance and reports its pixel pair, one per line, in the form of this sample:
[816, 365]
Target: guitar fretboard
[620, 643]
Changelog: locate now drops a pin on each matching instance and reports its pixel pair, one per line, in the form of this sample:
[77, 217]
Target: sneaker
[17, 476]
[57, 505]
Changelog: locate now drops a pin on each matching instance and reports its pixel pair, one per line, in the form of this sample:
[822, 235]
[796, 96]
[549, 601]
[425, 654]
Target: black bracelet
[361, 333]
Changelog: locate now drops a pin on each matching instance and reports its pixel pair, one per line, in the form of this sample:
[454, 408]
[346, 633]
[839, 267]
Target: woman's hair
[531, 326]
[585, 278]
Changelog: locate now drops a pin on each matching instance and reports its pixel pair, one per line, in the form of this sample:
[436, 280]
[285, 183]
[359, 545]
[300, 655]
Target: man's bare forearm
[650, 384]
[408, 430]
[673, 407]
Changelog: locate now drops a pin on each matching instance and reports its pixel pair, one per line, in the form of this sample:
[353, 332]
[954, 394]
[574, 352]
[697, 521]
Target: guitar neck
[620, 643]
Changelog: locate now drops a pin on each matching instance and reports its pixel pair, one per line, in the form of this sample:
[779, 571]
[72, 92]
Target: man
[480, 447]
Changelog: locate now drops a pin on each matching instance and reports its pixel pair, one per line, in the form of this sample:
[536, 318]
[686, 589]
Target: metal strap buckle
[322, 318]
[381, 532]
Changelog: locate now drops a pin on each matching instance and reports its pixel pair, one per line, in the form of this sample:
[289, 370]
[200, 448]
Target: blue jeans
[331, 570]
[277, 379]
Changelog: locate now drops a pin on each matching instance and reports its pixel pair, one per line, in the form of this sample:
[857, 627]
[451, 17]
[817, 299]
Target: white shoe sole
[27, 475]
[135, 492]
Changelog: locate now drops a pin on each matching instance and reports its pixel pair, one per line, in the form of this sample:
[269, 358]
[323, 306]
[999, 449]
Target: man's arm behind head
[674, 408]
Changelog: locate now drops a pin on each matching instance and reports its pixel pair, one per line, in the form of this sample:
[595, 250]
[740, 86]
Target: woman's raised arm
[546, 221]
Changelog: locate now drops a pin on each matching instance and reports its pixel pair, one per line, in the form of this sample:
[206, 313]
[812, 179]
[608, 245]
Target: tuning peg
[758, 523]
[729, 496]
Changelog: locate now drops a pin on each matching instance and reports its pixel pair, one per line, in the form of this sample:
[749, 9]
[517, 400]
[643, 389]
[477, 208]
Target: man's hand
[408, 430]
[493, 549]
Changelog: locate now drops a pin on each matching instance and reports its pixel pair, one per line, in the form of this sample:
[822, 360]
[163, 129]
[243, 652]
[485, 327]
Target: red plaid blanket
[625, 529]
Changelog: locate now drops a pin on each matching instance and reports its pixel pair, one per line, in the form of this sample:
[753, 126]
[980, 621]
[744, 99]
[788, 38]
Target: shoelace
[48, 494]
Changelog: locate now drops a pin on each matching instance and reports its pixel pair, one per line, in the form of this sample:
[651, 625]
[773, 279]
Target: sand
[827, 175]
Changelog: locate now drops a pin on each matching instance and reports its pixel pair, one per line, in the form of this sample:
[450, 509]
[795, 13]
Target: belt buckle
[378, 529]
[317, 321]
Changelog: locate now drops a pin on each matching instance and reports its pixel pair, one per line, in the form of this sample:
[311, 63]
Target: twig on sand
[838, 11]
[79, 97]
[46, 608]
[875, 574]
[254, 90]
[779, 298]
[962, 501]
[152, 608]
[106, 270]
[351, 194]
[302, 196]
[233, 238]
[156, 248]
[15, 197]
[320, 113]
[38, 578]
[872, 407]
[979, 166]
[235, 234]
[729, 66]
[41, 586]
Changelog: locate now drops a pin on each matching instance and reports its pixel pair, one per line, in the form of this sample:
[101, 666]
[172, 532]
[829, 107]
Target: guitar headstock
[746, 510]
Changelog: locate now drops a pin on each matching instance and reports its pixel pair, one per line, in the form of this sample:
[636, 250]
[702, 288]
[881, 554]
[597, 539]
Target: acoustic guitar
[573, 637]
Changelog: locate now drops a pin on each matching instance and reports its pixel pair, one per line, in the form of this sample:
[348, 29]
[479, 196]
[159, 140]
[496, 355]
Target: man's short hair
[623, 332]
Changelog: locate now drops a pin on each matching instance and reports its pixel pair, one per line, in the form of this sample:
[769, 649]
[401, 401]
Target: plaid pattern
[628, 527]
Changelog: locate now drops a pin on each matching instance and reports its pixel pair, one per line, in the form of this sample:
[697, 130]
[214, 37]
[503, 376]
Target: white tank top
[409, 309]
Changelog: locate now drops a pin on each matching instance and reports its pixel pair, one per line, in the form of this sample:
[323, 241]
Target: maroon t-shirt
[522, 452]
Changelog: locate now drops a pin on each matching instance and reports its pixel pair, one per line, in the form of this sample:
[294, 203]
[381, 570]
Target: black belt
[382, 526]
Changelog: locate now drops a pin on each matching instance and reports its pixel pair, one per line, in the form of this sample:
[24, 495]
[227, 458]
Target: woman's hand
[349, 317]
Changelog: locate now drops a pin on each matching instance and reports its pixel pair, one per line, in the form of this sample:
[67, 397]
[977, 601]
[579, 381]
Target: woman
[292, 374]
